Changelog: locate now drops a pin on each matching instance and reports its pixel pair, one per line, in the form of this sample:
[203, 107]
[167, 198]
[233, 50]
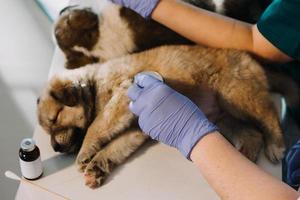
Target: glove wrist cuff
[195, 136]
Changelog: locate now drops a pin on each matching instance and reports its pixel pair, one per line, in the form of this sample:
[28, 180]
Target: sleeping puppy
[89, 37]
[91, 104]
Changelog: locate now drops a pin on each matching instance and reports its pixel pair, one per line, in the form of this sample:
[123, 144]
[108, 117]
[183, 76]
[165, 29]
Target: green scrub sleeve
[280, 24]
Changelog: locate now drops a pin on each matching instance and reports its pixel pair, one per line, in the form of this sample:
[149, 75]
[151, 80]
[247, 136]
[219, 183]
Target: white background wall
[26, 50]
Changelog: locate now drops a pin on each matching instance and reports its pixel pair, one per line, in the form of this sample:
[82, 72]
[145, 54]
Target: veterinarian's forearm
[197, 24]
[232, 176]
[214, 30]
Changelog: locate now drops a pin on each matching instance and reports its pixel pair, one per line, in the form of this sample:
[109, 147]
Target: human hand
[167, 115]
[143, 7]
[293, 165]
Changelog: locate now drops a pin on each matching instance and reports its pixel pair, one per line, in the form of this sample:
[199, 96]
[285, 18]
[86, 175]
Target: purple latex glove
[143, 7]
[166, 115]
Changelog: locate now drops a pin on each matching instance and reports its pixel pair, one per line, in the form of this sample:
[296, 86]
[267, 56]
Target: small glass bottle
[30, 160]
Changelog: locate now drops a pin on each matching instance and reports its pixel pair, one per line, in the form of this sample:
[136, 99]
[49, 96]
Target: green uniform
[280, 24]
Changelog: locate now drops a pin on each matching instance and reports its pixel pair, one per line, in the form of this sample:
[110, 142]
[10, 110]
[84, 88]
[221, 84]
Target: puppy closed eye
[53, 119]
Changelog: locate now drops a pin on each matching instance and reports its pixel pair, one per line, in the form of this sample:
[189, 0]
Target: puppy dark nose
[56, 147]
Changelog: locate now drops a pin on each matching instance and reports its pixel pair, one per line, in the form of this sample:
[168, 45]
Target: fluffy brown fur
[94, 99]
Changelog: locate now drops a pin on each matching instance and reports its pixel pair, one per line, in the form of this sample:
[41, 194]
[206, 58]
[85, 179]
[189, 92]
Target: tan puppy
[93, 100]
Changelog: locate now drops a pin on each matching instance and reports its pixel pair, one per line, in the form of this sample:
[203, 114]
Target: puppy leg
[249, 100]
[112, 155]
[111, 121]
[243, 136]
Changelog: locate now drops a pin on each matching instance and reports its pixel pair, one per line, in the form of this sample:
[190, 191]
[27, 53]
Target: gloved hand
[143, 7]
[166, 115]
[293, 165]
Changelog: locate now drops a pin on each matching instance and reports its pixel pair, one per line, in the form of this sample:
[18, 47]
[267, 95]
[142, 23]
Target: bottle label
[33, 169]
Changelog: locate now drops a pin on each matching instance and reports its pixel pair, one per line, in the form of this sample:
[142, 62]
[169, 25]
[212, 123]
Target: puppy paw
[249, 144]
[84, 158]
[97, 170]
[94, 176]
[251, 152]
[274, 152]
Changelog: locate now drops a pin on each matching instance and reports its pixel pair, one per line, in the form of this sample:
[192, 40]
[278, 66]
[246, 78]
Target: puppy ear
[82, 19]
[65, 91]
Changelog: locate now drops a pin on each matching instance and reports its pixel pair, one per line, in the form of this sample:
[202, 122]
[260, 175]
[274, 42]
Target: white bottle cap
[28, 144]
